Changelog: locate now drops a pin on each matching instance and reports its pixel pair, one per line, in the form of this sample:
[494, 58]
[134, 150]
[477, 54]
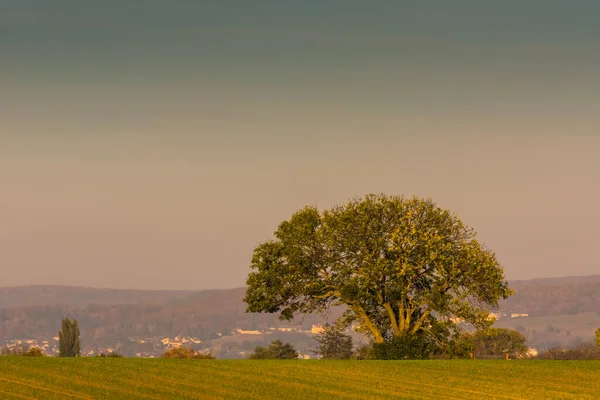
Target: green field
[97, 378]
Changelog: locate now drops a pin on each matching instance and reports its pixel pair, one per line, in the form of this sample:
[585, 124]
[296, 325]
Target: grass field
[97, 378]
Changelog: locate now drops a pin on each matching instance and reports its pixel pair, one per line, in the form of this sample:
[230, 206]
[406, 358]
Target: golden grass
[119, 378]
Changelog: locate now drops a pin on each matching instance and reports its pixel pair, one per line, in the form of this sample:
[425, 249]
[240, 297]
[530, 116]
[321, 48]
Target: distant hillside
[561, 310]
[554, 296]
[204, 315]
[32, 296]
[538, 297]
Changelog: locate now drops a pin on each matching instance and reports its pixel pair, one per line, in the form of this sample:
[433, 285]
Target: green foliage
[598, 338]
[186, 352]
[364, 352]
[276, 350]
[333, 344]
[462, 346]
[409, 347]
[69, 339]
[490, 342]
[401, 266]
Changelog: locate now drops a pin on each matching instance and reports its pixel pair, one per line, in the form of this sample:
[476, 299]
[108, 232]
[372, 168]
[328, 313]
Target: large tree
[69, 339]
[401, 266]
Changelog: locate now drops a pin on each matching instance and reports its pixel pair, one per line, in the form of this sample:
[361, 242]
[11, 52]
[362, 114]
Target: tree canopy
[401, 266]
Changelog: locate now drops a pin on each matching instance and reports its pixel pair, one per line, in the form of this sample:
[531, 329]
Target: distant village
[159, 345]
[51, 346]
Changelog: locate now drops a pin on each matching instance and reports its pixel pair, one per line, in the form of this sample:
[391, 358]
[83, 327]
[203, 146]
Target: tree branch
[367, 321]
[393, 319]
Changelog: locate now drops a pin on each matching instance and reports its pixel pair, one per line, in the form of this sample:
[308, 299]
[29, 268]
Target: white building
[515, 315]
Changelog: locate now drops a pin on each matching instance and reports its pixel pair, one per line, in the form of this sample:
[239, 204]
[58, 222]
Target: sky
[153, 144]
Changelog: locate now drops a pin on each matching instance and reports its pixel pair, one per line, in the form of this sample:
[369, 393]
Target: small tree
[498, 341]
[276, 350]
[333, 344]
[68, 338]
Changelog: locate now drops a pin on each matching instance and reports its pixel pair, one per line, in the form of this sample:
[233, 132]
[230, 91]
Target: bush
[462, 346]
[598, 338]
[186, 352]
[489, 343]
[411, 347]
[110, 354]
[34, 352]
[277, 350]
[333, 344]
[584, 351]
[364, 352]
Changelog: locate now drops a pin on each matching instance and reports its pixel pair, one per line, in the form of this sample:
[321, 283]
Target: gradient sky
[154, 144]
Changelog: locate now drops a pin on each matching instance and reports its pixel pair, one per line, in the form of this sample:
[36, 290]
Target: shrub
[491, 342]
[499, 341]
[277, 350]
[583, 351]
[333, 344]
[462, 346]
[364, 352]
[34, 352]
[110, 354]
[598, 338]
[186, 352]
[411, 347]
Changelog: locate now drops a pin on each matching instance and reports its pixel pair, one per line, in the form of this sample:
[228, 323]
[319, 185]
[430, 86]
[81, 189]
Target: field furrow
[154, 379]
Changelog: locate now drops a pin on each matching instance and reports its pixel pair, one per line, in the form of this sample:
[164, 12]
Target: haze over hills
[45, 295]
[560, 311]
[555, 296]
[539, 297]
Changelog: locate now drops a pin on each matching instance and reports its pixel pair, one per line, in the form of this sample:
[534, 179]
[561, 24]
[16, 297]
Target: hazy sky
[154, 144]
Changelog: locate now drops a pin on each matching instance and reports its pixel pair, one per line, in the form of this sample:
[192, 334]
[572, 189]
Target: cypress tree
[68, 336]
